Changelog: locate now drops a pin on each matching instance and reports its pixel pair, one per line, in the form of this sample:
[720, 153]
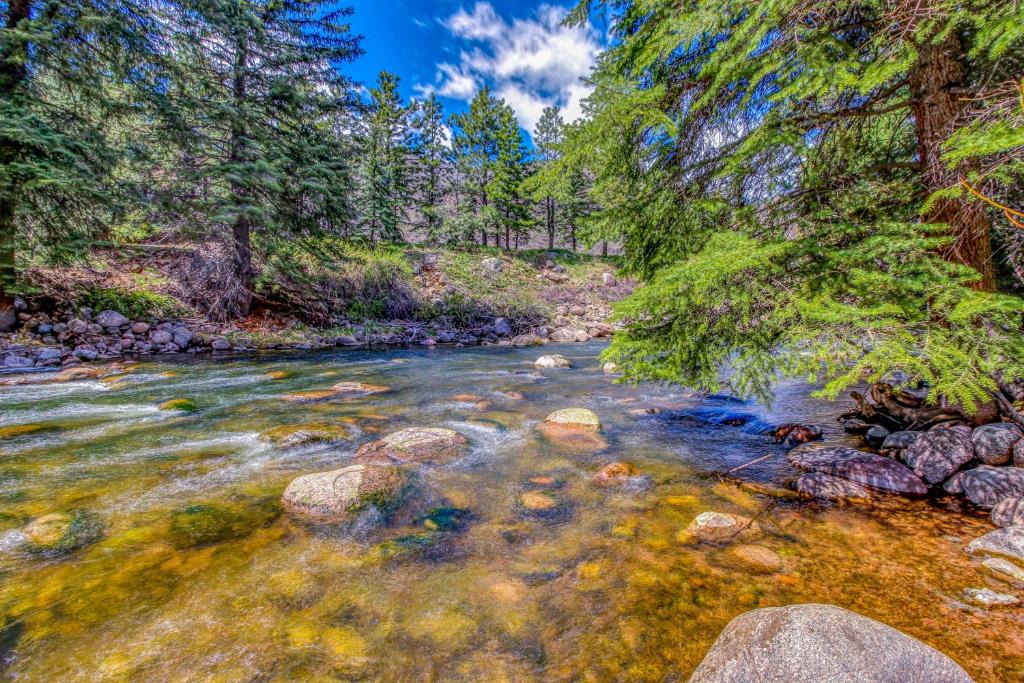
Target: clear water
[603, 590]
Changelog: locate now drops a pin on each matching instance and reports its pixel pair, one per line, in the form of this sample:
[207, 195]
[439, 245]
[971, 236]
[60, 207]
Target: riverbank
[141, 305]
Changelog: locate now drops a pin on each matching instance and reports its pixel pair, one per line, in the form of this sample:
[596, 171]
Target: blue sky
[453, 48]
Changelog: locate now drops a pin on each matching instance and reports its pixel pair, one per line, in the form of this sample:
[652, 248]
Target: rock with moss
[417, 445]
[719, 527]
[62, 532]
[579, 419]
[289, 436]
[183, 405]
[341, 496]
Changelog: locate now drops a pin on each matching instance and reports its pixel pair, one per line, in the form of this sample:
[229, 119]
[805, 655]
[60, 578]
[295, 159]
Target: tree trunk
[13, 73]
[241, 230]
[938, 111]
[604, 249]
[550, 208]
[572, 236]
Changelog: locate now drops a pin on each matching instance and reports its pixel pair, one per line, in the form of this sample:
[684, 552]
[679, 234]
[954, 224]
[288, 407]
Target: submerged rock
[1008, 512]
[986, 597]
[756, 558]
[828, 487]
[718, 527]
[302, 434]
[993, 443]
[346, 389]
[78, 374]
[1007, 543]
[937, 454]
[185, 405]
[617, 474]
[341, 495]
[204, 524]
[62, 532]
[427, 445]
[553, 361]
[864, 468]
[793, 434]
[986, 486]
[812, 643]
[1004, 569]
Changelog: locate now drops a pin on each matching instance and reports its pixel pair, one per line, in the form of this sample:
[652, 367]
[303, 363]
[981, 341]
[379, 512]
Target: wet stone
[828, 487]
[864, 468]
[1008, 512]
[574, 418]
[756, 558]
[342, 495]
[719, 527]
[993, 443]
[62, 532]
[1004, 569]
[986, 597]
[421, 445]
[185, 405]
[553, 361]
[1007, 543]
[936, 455]
[204, 524]
[300, 435]
[986, 486]
[805, 643]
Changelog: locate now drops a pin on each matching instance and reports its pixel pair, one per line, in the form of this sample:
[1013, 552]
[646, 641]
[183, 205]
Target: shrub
[140, 303]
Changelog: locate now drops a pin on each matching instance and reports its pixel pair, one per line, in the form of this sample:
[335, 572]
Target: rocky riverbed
[468, 515]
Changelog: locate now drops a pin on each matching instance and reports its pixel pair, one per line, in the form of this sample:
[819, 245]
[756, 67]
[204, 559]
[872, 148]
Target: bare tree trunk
[550, 211]
[13, 73]
[604, 249]
[241, 229]
[938, 111]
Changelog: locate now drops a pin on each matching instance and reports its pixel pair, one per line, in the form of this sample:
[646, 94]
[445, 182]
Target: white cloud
[531, 62]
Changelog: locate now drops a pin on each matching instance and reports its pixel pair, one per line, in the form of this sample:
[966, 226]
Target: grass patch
[132, 303]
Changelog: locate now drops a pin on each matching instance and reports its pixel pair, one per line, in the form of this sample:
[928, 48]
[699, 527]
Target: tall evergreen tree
[68, 72]
[431, 151]
[546, 139]
[384, 183]
[779, 176]
[506, 187]
[258, 97]
[475, 153]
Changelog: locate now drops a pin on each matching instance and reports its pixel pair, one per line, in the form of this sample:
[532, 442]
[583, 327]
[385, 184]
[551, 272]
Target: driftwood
[898, 409]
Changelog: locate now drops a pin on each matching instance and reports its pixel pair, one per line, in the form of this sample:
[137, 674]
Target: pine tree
[384, 183]
[69, 71]
[475, 154]
[506, 187]
[777, 173]
[431, 152]
[259, 99]
[546, 139]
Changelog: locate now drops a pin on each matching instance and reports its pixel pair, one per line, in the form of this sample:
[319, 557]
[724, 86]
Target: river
[196, 573]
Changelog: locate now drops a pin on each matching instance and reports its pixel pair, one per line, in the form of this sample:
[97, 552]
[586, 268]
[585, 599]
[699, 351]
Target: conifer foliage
[788, 174]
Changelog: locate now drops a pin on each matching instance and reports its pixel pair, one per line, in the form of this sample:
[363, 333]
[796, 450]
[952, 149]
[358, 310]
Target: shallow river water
[199, 575]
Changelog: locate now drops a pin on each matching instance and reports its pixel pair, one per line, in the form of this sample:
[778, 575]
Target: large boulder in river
[420, 445]
[936, 455]
[342, 495]
[553, 361]
[985, 486]
[1008, 512]
[1007, 543]
[864, 468]
[576, 419]
[993, 444]
[816, 643]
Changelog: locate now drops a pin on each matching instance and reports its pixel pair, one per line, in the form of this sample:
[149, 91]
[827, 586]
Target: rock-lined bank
[76, 336]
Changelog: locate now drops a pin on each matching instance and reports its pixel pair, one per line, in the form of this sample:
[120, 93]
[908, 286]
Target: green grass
[133, 303]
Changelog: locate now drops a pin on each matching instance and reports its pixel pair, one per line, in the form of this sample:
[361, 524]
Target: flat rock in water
[817, 643]
[1007, 543]
[986, 597]
[341, 495]
[428, 445]
[828, 487]
[986, 486]
[1004, 569]
[864, 468]
[936, 455]
[993, 443]
[716, 527]
[1008, 512]
[574, 418]
[553, 361]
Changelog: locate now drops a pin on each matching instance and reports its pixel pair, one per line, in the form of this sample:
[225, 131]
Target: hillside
[153, 299]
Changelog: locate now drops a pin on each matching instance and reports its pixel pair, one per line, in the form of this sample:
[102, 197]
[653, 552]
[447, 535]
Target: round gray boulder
[816, 643]
[993, 443]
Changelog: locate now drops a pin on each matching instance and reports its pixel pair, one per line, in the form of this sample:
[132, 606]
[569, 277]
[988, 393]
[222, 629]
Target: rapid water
[199, 575]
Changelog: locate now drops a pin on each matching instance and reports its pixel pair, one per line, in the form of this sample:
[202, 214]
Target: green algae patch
[21, 430]
[184, 405]
[207, 524]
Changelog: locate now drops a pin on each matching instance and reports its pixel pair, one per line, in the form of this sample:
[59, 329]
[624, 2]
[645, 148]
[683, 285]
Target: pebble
[986, 597]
